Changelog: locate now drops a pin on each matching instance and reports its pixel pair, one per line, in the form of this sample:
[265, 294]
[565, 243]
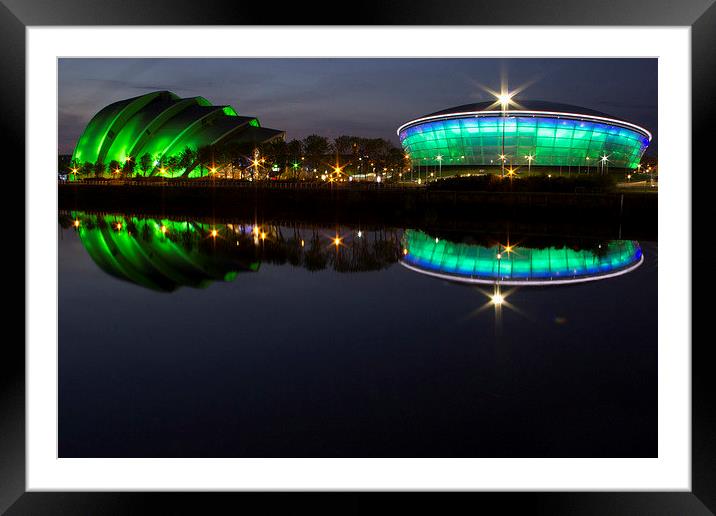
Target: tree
[186, 159]
[294, 150]
[276, 153]
[172, 165]
[113, 166]
[128, 167]
[316, 148]
[87, 168]
[205, 155]
[145, 163]
[99, 169]
[343, 145]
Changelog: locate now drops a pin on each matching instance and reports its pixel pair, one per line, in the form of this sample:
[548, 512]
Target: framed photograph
[419, 256]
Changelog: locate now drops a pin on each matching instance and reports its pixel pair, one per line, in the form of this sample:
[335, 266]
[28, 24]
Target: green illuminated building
[533, 134]
[162, 126]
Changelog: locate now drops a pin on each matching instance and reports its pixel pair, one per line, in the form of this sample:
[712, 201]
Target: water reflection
[287, 362]
[514, 264]
[163, 254]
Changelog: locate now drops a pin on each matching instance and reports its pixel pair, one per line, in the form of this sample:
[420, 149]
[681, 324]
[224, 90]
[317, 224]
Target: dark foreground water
[206, 339]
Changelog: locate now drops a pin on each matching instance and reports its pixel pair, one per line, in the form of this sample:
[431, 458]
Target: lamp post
[504, 100]
[440, 165]
[529, 158]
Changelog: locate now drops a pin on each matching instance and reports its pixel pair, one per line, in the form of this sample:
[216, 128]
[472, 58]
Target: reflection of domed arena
[162, 125]
[533, 134]
[518, 266]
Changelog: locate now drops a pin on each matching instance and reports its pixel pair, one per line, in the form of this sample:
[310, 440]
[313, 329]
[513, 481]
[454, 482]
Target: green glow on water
[522, 264]
[159, 254]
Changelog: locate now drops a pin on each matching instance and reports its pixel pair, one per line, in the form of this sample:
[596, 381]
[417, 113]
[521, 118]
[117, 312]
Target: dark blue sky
[360, 97]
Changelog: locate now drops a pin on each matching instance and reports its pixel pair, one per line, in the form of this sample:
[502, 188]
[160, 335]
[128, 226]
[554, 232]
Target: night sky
[358, 97]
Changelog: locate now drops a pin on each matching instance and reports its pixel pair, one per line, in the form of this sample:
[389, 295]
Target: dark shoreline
[601, 215]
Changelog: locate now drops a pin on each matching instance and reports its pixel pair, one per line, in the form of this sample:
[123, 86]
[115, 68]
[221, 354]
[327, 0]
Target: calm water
[279, 341]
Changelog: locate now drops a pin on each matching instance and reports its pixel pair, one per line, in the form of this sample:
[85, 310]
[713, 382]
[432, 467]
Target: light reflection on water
[289, 340]
[165, 254]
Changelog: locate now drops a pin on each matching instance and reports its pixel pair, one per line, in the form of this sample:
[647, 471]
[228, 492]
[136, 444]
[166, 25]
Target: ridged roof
[162, 125]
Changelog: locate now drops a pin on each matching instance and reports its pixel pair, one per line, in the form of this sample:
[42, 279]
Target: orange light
[119, 226]
[405, 251]
[163, 229]
[214, 233]
[77, 223]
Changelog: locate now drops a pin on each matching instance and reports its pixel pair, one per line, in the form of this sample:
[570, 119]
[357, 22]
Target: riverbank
[611, 214]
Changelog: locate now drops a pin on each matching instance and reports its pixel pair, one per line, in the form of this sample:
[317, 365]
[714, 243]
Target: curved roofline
[477, 114]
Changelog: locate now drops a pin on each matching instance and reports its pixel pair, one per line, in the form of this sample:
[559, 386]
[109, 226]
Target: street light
[529, 158]
[504, 98]
[440, 165]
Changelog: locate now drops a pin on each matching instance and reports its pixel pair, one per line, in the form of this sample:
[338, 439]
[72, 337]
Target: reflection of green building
[162, 125]
[519, 265]
[163, 254]
[158, 254]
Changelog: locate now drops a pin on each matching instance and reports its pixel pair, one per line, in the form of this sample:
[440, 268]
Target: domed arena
[529, 134]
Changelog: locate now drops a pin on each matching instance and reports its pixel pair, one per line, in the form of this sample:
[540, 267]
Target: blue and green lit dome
[552, 134]
[524, 266]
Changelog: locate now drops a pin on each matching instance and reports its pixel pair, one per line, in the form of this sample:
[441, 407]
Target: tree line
[305, 159]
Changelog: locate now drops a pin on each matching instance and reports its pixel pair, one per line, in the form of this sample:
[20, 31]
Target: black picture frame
[700, 15]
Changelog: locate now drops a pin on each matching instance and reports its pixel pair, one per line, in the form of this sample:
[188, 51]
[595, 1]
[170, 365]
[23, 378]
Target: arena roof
[525, 107]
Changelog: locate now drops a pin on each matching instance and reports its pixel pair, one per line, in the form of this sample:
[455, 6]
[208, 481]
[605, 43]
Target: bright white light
[504, 99]
[497, 299]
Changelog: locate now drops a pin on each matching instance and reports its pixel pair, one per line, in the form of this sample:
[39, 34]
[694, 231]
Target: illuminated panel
[139, 251]
[160, 120]
[177, 128]
[478, 140]
[90, 142]
[123, 143]
[522, 266]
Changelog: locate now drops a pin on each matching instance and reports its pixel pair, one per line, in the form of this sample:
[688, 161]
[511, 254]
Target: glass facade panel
[553, 141]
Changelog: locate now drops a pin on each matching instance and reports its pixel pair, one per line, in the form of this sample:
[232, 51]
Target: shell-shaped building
[533, 133]
[163, 125]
